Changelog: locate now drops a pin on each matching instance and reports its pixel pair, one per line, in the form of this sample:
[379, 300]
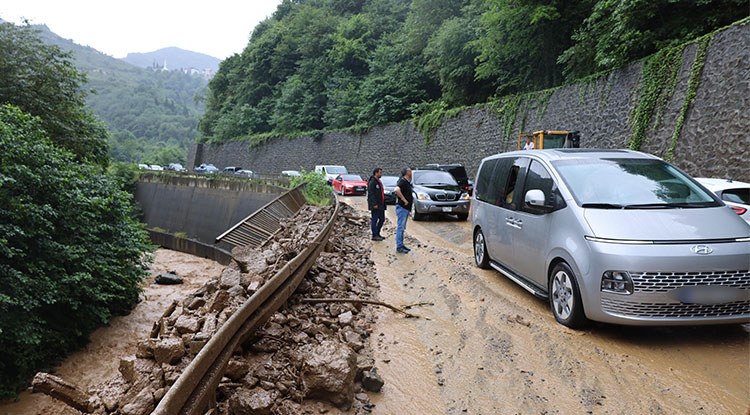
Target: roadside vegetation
[317, 192]
[72, 253]
[336, 64]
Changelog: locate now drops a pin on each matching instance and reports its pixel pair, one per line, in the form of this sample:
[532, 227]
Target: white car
[156, 167]
[331, 172]
[734, 194]
[249, 174]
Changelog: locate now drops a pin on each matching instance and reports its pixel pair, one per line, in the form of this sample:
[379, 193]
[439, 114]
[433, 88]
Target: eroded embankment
[309, 355]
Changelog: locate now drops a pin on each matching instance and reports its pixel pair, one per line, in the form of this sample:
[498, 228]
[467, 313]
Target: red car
[349, 184]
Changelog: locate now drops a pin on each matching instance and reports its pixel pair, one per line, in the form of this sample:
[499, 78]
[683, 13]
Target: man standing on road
[376, 203]
[403, 207]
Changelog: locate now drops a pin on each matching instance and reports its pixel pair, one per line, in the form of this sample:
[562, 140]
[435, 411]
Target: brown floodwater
[99, 360]
[490, 347]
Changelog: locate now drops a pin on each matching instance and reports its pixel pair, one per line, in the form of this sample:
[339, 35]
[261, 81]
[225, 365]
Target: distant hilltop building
[207, 73]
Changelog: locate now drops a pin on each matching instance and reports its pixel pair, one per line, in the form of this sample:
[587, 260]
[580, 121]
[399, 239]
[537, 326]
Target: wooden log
[62, 391]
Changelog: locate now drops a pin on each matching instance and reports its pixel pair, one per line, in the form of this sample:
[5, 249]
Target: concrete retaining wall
[190, 246]
[715, 139]
[201, 208]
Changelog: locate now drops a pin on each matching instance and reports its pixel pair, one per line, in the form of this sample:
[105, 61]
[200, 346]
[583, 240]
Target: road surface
[491, 347]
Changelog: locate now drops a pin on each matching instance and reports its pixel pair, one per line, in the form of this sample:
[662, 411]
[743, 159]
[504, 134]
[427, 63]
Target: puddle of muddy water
[100, 358]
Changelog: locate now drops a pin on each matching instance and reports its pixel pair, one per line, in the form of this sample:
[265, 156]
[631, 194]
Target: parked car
[614, 236]
[736, 195]
[389, 184]
[231, 169]
[330, 171]
[249, 174]
[436, 191]
[175, 167]
[155, 167]
[349, 184]
[291, 173]
[206, 168]
[144, 167]
[459, 173]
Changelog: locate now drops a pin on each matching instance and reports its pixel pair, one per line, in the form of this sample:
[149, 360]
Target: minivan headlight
[617, 282]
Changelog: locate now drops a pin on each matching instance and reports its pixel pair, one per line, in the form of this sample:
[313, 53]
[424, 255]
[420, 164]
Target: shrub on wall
[317, 192]
[71, 253]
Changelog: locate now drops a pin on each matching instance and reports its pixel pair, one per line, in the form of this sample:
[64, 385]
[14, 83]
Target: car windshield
[741, 195]
[459, 172]
[434, 177]
[389, 180]
[336, 170]
[352, 178]
[630, 184]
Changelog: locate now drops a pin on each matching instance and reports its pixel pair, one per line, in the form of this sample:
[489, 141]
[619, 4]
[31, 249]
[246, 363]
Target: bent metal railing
[194, 391]
[258, 228]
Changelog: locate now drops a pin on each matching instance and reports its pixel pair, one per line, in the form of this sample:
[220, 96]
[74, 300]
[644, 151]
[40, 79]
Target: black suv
[458, 172]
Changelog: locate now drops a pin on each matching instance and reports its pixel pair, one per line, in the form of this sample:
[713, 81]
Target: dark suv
[458, 172]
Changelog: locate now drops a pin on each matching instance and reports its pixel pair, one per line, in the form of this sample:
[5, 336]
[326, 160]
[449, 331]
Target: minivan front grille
[675, 310]
[661, 282]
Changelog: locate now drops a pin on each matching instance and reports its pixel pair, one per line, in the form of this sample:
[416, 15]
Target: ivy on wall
[695, 77]
[656, 74]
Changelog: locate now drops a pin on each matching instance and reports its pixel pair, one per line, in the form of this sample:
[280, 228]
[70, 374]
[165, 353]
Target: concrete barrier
[190, 246]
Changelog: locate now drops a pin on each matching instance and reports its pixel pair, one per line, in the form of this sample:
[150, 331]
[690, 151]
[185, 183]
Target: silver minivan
[614, 236]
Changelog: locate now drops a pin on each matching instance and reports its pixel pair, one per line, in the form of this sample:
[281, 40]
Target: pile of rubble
[307, 351]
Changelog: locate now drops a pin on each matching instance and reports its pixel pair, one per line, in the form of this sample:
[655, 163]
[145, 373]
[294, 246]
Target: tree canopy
[41, 80]
[320, 64]
[71, 252]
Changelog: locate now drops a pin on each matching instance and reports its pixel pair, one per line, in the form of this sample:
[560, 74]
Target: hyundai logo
[701, 249]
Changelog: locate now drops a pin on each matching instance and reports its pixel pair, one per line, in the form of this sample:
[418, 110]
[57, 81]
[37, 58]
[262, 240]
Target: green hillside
[329, 64]
[151, 115]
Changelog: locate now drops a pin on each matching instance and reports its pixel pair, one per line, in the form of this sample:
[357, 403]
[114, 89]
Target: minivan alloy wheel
[480, 251]
[562, 294]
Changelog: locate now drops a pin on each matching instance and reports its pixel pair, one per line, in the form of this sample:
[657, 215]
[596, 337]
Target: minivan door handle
[513, 222]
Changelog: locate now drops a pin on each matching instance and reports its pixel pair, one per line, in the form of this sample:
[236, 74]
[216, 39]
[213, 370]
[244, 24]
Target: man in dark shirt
[376, 203]
[403, 207]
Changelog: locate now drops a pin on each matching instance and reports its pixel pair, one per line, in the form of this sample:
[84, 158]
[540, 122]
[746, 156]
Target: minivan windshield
[630, 184]
[434, 177]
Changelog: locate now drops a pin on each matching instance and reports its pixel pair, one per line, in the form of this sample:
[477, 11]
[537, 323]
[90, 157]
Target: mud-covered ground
[100, 358]
[490, 347]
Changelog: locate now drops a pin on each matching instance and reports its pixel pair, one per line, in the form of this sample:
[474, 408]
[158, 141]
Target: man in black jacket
[376, 203]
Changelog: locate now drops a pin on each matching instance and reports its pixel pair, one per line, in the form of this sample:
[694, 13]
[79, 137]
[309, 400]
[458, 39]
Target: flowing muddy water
[490, 347]
[99, 360]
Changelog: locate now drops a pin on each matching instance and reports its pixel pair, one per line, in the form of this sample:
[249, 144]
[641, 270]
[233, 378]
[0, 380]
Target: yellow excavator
[551, 139]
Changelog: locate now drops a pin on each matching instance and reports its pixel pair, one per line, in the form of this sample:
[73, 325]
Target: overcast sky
[218, 28]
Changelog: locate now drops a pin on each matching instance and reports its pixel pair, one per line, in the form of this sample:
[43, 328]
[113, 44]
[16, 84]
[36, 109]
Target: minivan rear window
[630, 184]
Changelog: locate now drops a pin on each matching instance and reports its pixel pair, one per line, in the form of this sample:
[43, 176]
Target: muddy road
[491, 347]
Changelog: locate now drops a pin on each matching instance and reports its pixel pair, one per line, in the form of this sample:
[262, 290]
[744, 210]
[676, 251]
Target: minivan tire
[480, 250]
[565, 297]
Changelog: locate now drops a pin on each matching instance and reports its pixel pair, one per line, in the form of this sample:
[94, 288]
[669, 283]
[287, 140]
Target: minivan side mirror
[535, 199]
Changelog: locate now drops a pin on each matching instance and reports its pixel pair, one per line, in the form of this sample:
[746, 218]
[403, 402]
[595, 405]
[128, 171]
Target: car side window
[537, 177]
[486, 174]
[511, 198]
[499, 178]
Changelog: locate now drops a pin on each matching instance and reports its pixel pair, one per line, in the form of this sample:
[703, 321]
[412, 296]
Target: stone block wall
[714, 141]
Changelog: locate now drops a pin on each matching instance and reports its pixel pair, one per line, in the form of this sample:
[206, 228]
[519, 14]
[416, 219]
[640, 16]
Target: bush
[317, 192]
[71, 253]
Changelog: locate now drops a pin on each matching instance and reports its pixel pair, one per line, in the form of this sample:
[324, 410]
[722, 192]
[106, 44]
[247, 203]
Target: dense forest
[72, 253]
[152, 116]
[327, 64]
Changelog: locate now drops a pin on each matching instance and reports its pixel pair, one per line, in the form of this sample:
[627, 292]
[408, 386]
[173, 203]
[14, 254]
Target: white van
[330, 171]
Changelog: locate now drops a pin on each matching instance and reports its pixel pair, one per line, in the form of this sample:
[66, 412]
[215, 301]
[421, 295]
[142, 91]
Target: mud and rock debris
[304, 352]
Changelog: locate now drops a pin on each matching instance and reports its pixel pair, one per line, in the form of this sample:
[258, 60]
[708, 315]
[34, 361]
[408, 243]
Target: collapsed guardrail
[258, 228]
[194, 391]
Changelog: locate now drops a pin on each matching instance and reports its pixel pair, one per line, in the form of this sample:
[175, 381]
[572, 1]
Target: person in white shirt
[529, 144]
